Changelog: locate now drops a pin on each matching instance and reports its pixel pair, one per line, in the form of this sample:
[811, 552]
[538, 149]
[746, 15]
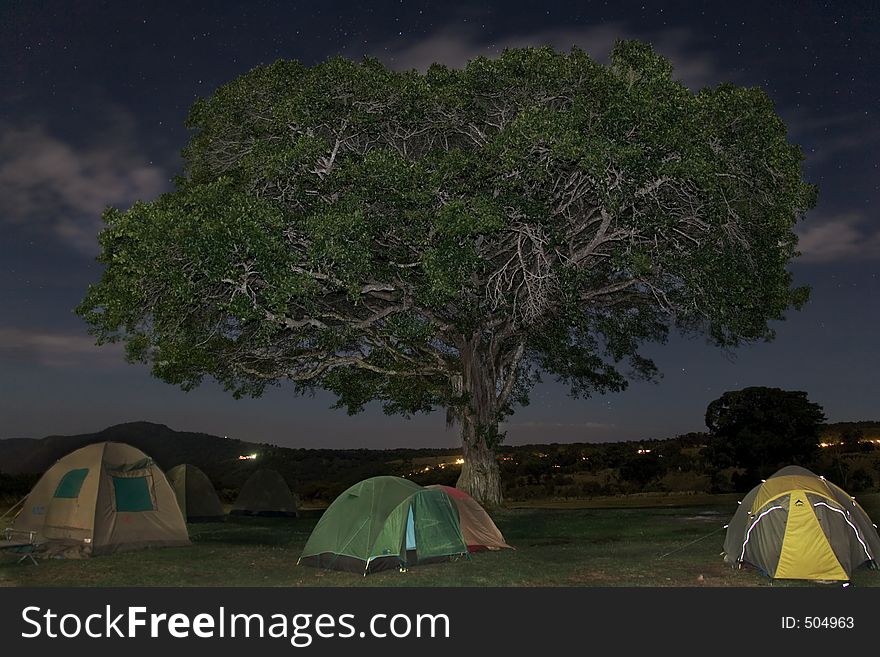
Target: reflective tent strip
[737, 527]
[852, 526]
[777, 487]
[391, 539]
[343, 551]
[859, 517]
[749, 532]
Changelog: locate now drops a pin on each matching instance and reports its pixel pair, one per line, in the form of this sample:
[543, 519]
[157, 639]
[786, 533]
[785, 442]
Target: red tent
[479, 532]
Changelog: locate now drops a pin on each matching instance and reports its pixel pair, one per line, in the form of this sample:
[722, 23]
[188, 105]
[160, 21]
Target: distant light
[247, 457]
[643, 451]
[459, 461]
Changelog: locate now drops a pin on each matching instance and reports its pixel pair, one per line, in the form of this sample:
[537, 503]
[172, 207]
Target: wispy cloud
[694, 64]
[55, 349]
[831, 137]
[844, 237]
[55, 186]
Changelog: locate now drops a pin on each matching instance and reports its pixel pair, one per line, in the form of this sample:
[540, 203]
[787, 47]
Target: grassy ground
[633, 501]
[555, 547]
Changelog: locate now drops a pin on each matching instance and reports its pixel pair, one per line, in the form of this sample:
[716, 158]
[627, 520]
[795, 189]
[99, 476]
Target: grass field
[619, 544]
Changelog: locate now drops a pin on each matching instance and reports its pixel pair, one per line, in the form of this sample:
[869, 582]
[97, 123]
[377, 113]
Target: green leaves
[340, 241]
[639, 59]
[356, 228]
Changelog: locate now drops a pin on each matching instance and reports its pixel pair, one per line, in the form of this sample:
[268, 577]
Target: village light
[459, 461]
[247, 457]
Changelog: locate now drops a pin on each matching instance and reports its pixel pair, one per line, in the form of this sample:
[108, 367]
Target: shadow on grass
[251, 530]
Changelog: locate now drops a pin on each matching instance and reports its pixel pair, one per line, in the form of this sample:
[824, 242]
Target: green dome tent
[796, 525]
[265, 493]
[385, 522]
[195, 494]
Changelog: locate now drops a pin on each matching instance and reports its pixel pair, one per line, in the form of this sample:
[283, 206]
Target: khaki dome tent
[195, 494]
[477, 528]
[265, 493]
[385, 522]
[796, 525]
[103, 498]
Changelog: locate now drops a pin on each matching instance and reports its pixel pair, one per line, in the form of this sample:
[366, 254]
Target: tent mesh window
[71, 483]
[132, 494]
[437, 531]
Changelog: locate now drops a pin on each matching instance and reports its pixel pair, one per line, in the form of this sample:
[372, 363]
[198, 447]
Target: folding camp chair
[21, 542]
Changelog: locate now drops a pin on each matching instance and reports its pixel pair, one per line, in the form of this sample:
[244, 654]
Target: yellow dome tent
[796, 525]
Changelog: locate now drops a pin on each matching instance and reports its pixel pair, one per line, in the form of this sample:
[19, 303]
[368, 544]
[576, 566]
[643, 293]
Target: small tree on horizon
[760, 430]
[439, 240]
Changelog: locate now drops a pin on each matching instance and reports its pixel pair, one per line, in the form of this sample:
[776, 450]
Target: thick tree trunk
[480, 474]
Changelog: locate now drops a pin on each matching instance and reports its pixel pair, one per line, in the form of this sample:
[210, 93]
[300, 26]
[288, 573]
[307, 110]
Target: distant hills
[219, 457]
[166, 446]
[527, 470]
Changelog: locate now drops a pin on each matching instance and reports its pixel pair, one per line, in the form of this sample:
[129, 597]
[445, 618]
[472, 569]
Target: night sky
[93, 98]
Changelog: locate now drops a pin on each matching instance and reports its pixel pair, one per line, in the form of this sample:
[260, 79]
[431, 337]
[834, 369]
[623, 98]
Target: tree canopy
[761, 430]
[440, 239]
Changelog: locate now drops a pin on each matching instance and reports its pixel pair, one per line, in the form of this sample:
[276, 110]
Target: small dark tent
[796, 525]
[385, 522]
[265, 493]
[195, 494]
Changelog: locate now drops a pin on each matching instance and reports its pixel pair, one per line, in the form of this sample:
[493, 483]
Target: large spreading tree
[440, 239]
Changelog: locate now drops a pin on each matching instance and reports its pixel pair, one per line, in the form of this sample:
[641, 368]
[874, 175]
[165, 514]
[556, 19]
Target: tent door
[410, 531]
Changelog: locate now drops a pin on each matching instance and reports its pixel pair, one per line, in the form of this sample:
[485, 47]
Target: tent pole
[13, 507]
